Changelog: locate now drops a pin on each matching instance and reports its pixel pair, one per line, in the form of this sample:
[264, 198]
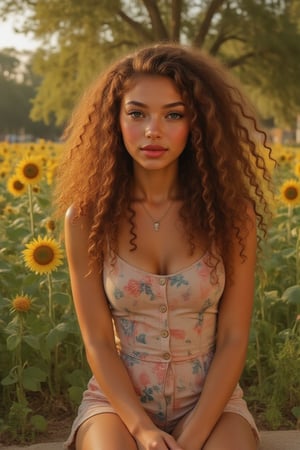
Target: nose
[152, 130]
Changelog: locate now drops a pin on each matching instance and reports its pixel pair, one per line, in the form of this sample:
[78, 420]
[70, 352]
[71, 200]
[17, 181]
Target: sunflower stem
[289, 222]
[20, 389]
[30, 199]
[298, 258]
[50, 302]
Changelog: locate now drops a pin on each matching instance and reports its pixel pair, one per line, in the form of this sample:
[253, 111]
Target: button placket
[164, 332]
[162, 281]
[163, 308]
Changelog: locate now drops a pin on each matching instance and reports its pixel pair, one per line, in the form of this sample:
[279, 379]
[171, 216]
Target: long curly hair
[221, 170]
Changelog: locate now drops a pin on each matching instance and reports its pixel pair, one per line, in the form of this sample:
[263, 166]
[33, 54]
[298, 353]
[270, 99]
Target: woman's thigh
[103, 432]
[232, 432]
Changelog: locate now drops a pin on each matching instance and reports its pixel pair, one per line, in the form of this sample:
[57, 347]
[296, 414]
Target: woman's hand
[156, 439]
[185, 435]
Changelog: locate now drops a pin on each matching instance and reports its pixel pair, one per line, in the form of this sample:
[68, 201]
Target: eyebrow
[143, 105]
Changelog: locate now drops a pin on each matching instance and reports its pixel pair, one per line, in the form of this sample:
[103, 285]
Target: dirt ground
[59, 418]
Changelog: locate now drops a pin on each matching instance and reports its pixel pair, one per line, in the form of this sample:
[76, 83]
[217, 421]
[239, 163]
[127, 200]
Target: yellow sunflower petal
[43, 255]
[290, 192]
[30, 170]
[297, 169]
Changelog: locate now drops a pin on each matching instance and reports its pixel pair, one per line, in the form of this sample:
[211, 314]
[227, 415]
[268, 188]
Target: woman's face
[154, 122]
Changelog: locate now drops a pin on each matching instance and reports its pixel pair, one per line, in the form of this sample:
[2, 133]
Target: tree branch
[221, 39]
[159, 29]
[118, 44]
[136, 26]
[176, 20]
[240, 60]
[203, 30]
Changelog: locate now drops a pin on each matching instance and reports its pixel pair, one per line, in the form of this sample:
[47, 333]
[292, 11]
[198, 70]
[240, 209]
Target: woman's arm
[95, 323]
[234, 320]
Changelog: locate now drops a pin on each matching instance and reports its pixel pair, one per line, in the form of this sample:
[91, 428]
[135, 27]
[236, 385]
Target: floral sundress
[165, 328]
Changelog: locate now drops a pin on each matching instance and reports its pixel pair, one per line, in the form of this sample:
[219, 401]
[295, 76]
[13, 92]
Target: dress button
[166, 356]
[164, 333]
[163, 308]
[162, 281]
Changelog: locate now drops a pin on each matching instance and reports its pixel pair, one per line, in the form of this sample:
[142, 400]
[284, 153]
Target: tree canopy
[17, 88]
[259, 40]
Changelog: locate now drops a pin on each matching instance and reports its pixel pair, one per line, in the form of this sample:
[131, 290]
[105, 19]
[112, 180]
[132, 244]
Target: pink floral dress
[165, 333]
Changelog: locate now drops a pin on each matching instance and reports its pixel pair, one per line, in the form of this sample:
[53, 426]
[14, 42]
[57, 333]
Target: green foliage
[259, 40]
[271, 376]
[41, 348]
[42, 355]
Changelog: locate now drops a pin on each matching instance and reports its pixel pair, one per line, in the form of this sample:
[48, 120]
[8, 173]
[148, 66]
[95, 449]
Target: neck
[155, 187]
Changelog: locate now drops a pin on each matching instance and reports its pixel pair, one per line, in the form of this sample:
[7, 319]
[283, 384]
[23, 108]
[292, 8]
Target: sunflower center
[43, 255]
[21, 303]
[18, 186]
[291, 193]
[31, 170]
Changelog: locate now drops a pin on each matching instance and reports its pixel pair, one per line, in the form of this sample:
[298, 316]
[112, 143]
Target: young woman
[161, 186]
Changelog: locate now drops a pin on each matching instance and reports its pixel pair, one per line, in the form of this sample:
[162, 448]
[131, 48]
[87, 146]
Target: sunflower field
[43, 370]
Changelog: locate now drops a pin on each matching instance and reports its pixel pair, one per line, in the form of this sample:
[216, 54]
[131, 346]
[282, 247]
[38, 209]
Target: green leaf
[75, 394]
[32, 341]
[13, 341]
[296, 412]
[35, 372]
[32, 377]
[39, 423]
[10, 379]
[292, 294]
[55, 336]
[77, 378]
[61, 299]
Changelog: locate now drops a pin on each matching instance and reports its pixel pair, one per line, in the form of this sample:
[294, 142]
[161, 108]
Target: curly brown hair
[221, 170]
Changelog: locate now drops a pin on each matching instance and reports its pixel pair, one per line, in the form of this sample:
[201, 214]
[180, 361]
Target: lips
[153, 151]
[154, 148]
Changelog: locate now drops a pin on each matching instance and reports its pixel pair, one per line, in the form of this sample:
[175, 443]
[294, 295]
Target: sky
[9, 38]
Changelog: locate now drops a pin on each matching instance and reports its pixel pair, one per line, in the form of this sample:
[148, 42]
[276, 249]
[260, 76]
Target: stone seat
[270, 440]
[280, 440]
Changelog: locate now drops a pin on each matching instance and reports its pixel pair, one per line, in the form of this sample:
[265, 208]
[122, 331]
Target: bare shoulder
[77, 231]
[71, 214]
[76, 221]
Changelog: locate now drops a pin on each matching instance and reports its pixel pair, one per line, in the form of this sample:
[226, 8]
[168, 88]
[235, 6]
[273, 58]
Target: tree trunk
[176, 20]
[206, 23]
[160, 32]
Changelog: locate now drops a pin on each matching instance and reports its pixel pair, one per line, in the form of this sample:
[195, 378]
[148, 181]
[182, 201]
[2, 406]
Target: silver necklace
[156, 222]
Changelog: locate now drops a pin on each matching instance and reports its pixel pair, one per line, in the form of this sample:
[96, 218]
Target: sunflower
[50, 225]
[43, 255]
[51, 172]
[30, 170]
[21, 303]
[9, 210]
[297, 169]
[5, 169]
[15, 186]
[290, 192]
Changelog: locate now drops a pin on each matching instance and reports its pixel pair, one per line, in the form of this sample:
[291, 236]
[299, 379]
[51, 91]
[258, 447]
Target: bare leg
[232, 432]
[103, 432]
